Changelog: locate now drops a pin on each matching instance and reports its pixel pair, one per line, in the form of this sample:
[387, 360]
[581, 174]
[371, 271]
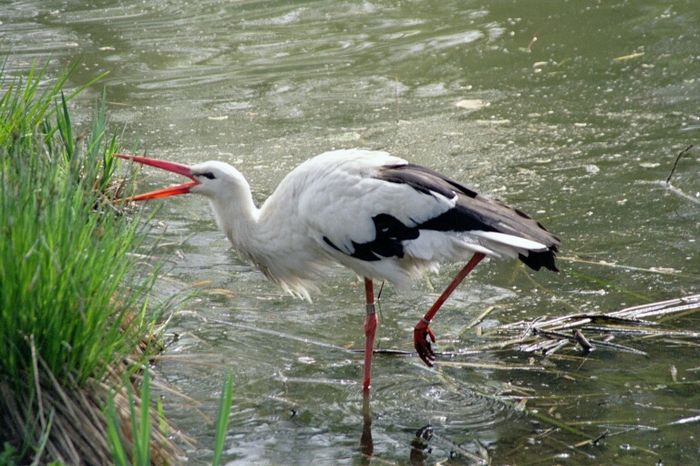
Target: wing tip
[538, 259]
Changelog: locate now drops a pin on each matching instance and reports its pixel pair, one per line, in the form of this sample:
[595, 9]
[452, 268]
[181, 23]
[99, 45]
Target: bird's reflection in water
[420, 449]
[366, 442]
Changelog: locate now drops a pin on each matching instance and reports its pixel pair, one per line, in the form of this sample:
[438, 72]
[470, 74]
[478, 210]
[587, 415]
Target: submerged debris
[420, 447]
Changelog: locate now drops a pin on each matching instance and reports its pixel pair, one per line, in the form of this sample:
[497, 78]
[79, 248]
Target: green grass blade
[113, 437]
[144, 432]
[222, 420]
[65, 129]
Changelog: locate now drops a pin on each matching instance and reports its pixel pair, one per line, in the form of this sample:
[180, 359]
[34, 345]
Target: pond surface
[574, 111]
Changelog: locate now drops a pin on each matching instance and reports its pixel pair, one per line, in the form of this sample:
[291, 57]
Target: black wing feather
[472, 212]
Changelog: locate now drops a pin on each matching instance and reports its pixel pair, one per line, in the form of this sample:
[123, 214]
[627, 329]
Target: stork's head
[212, 179]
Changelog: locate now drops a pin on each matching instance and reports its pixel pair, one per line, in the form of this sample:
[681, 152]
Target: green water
[574, 111]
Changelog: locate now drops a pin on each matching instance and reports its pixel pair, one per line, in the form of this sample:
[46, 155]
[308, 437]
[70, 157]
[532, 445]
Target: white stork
[374, 213]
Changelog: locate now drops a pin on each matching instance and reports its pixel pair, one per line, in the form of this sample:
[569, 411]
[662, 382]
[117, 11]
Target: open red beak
[179, 168]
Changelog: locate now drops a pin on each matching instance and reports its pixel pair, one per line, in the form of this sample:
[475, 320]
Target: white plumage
[335, 195]
[374, 213]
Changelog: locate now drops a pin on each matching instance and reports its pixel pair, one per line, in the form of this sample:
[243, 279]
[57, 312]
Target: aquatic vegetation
[68, 329]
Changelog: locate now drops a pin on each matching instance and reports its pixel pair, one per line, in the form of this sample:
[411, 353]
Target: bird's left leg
[371, 323]
[422, 334]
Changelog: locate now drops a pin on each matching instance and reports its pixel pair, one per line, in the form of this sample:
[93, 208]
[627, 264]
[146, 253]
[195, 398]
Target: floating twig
[685, 420]
[675, 163]
[630, 56]
[555, 348]
[480, 317]
[605, 344]
[593, 441]
[492, 366]
[531, 44]
[658, 270]
[583, 341]
[659, 308]
[672, 188]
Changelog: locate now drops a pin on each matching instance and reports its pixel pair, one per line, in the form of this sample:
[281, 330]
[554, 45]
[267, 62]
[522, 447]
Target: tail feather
[515, 241]
[533, 253]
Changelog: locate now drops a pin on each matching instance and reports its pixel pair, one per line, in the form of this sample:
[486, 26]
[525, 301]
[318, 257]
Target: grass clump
[66, 328]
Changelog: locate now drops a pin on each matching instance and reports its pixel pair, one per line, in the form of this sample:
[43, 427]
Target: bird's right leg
[371, 323]
[422, 334]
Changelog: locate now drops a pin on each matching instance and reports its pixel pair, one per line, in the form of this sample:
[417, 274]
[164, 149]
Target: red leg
[371, 323]
[422, 335]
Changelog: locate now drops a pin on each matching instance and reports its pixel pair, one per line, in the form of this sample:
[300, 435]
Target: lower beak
[179, 168]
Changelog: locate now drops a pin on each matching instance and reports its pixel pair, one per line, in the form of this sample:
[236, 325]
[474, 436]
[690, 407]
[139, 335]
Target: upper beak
[179, 168]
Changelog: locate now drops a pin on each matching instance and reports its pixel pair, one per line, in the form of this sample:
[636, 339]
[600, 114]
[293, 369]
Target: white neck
[237, 215]
[272, 237]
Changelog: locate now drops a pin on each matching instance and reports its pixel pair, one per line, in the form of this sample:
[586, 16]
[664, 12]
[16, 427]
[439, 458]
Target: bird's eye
[208, 175]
